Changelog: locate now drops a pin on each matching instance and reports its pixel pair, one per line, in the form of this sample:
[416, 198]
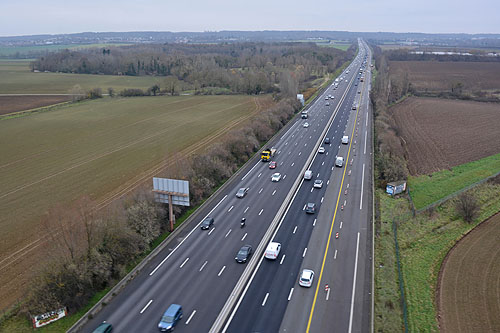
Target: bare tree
[467, 206]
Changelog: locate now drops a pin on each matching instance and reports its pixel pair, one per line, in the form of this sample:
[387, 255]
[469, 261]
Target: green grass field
[11, 51]
[427, 189]
[16, 78]
[96, 148]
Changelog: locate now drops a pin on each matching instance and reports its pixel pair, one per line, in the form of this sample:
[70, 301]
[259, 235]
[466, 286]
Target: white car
[306, 278]
[276, 177]
[273, 250]
[321, 150]
[318, 183]
[345, 139]
[306, 125]
[339, 161]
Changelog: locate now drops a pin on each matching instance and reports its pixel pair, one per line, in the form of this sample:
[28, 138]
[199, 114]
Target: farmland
[10, 104]
[440, 76]
[440, 134]
[13, 51]
[99, 148]
[16, 78]
[469, 282]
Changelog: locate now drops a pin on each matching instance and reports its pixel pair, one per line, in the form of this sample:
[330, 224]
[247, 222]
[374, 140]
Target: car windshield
[167, 319]
[242, 252]
[241, 191]
[206, 222]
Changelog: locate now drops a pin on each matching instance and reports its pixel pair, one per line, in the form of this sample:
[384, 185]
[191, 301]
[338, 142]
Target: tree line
[249, 68]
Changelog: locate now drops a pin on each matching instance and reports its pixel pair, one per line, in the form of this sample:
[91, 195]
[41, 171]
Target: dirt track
[469, 283]
[440, 134]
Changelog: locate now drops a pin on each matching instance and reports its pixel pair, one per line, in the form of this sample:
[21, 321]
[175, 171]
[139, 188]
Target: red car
[272, 165]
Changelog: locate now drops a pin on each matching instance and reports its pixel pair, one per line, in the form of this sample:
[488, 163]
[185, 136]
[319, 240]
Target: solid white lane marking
[203, 266]
[211, 230]
[261, 211]
[365, 143]
[230, 209]
[244, 236]
[222, 270]
[282, 259]
[273, 192]
[354, 285]
[265, 299]
[304, 254]
[290, 294]
[260, 174]
[322, 199]
[295, 229]
[335, 255]
[146, 306]
[362, 183]
[246, 209]
[190, 317]
[260, 191]
[185, 261]
[163, 261]
[245, 176]
[228, 233]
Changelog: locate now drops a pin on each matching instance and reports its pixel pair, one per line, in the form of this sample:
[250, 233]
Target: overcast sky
[23, 17]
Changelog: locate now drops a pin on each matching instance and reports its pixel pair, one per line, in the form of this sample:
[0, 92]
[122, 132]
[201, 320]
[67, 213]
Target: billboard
[178, 189]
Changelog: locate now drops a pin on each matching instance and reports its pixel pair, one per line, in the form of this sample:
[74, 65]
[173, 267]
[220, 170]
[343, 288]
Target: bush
[467, 206]
[132, 92]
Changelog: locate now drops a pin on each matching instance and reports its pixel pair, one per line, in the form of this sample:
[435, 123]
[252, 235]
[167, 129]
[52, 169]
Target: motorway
[197, 269]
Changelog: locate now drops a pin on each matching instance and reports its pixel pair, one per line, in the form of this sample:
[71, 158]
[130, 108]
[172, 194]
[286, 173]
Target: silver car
[306, 278]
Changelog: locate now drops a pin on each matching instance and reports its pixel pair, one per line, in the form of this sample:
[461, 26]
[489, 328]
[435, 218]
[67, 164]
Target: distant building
[300, 97]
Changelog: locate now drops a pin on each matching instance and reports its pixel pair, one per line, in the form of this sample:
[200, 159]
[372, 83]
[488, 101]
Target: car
[339, 161]
[353, 107]
[272, 250]
[327, 140]
[326, 98]
[276, 177]
[359, 91]
[321, 150]
[318, 183]
[332, 97]
[345, 139]
[356, 84]
[310, 208]
[345, 80]
[244, 254]
[104, 327]
[306, 278]
[170, 318]
[207, 223]
[305, 125]
[242, 192]
[272, 165]
[327, 104]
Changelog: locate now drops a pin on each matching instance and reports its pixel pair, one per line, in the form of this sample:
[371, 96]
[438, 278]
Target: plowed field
[439, 76]
[469, 297]
[9, 104]
[439, 134]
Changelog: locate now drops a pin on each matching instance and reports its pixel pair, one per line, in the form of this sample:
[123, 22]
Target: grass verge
[427, 189]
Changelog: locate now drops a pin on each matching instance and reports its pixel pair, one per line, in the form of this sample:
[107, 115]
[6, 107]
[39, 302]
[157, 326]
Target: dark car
[104, 328]
[170, 318]
[327, 140]
[207, 223]
[310, 208]
[242, 192]
[244, 254]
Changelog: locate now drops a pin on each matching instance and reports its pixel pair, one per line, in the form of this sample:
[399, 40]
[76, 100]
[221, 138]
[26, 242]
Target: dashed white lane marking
[260, 191]
[304, 207]
[314, 223]
[317, 176]
[281, 163]
[322, 199]
[304, 254]
[289, 152]
[211, 230]
[347, 185]
[246, 209]
[260, 174]
[328, 182]
[341, 224]
[327, 294]
[203, 266]
[295, 229]
[244, 236]
[282, 259]
[305, 144]
[265, 299]
[323, 163]
[222, 270]
[312, 189]
[146, 306]
[362, 183]
[335, 255]
[293, 164]
[300, 153]
[228, 233]
[185, 261]
[273, 192]
[327, 153]
[230, 209]
[290, 294]
[364, 152]
[345, 202]
[261, 211]
[190, 317]
[284, 176]
[332, 168]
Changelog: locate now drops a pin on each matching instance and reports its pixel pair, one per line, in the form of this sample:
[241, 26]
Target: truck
[304, 114]
[267, 153]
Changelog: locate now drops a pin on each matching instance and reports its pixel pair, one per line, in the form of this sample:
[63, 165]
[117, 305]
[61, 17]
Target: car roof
[273, 245]
[310, 204]
[172, 309]
[307, 273]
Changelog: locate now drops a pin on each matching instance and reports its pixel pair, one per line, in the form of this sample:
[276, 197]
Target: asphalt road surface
[198, 269]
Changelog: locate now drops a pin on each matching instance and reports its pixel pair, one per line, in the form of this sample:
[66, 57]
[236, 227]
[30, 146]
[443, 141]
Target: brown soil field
[9, 104]
[469, 283]
[440, 133]
[439, 76]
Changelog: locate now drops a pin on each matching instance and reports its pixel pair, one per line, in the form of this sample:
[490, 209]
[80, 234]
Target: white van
[339, 161]
[273, 250]
[345, 139]
[308, 175]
